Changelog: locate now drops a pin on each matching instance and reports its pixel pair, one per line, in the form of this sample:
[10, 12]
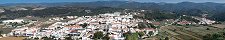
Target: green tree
[207, 29]
[150, 33]
[84, 25]
[131, 36]
[26, 39]
[68, 38]
[98, 35]
[141, 33]
[106, 37]
[215, 36]
[47, 38]
[167, 38]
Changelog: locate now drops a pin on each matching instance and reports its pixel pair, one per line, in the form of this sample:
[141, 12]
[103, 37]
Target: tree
[98, 35]
[167, 38]
[150, 33]
[190, 19]
[68, 38]
[131, 36]
[159, 15]
[215, 36]
[36, 38]
[1, 31]
[223, 33]
[141, 25]
[84, 25]
[150, 25]
[47, 38]
[106, 37]
[141, 33]
[207, 29]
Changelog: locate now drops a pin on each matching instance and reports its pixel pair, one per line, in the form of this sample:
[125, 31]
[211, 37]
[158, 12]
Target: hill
[215, 11]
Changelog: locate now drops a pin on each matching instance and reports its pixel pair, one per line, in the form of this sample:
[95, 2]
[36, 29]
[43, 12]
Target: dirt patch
[219, 25]
[12, 38]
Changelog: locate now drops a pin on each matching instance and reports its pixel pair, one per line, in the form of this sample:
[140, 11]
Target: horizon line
[109, 1]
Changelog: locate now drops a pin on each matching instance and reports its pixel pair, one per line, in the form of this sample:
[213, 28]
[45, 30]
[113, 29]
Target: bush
[131, 36]
[141, 33]
[150, 33]
[213, 37]
[98, 35]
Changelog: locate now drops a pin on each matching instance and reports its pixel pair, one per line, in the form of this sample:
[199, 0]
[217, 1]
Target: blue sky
[52, 1]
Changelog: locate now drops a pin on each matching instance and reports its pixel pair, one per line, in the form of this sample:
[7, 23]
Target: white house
[14, 21]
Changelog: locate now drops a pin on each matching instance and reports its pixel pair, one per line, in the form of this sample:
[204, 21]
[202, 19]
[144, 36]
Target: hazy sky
[52, 1]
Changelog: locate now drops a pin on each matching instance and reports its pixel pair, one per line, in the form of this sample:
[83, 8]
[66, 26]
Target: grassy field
[219, 25]
[186, 32]
[5, 30]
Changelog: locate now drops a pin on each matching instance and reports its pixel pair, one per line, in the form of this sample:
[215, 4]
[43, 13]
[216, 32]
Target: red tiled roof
[156, 23]
[74, 26]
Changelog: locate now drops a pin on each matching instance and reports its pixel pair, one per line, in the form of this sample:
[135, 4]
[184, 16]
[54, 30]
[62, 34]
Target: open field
[186, 32]
[219, 25]
[5, 30]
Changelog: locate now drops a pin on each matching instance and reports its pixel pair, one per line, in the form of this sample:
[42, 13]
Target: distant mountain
[209, 6]
[183, 8]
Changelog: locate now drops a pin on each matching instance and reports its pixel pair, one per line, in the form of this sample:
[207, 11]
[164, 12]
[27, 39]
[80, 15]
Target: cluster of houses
[18, 9]
[112, 24]
[185, 22]
[204, 20]
[201, 21]
[62, 18]
[17, 23]
[2, 10]
[41, 8]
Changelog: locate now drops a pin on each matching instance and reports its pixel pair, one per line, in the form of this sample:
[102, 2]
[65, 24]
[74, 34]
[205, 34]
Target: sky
[53, 1]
